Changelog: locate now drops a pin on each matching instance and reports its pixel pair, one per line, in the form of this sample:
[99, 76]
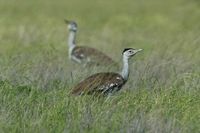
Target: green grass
[163, 91]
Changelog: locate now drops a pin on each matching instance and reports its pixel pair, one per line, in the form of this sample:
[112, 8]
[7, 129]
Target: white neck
[125, 69]
[71, 41]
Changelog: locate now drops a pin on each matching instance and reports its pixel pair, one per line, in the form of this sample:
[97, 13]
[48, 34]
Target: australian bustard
[83, 54]
[104, 83]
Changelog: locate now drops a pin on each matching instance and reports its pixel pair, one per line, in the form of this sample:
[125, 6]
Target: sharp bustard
[104, 83]
[83, 54]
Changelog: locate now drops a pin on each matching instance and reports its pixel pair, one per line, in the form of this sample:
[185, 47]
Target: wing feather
[91, 55]
[99, 83]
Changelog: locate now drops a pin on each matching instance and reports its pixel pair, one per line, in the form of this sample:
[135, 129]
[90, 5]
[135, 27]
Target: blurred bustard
[83, 54]
[105, 83]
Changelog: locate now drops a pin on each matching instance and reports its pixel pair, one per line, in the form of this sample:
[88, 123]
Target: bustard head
[129, 52]
[72, 25]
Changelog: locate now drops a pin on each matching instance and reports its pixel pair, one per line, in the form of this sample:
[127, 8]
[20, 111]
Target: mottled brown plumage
[100, 83]
[88, 55]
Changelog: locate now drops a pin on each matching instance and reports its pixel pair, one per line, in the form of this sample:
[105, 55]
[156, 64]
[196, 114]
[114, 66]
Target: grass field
[163, 91]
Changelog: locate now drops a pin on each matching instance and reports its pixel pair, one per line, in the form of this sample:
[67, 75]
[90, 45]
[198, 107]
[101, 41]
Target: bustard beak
[139, 50]
[66, 21]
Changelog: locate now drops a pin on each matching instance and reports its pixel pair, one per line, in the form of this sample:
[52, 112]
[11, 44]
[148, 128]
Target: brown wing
[91, 55]
[99, 83]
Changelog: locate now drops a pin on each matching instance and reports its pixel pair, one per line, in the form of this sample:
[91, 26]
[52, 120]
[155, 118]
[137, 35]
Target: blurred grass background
[162, 94]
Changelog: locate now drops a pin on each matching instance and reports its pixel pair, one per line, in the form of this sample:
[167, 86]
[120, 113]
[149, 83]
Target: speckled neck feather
[125, 69]
[71, 41]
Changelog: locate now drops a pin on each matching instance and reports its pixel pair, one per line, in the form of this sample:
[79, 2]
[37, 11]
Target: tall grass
[163, 91]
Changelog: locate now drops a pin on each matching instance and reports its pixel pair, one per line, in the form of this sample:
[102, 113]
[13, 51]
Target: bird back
[91, 56]
[99, 83]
